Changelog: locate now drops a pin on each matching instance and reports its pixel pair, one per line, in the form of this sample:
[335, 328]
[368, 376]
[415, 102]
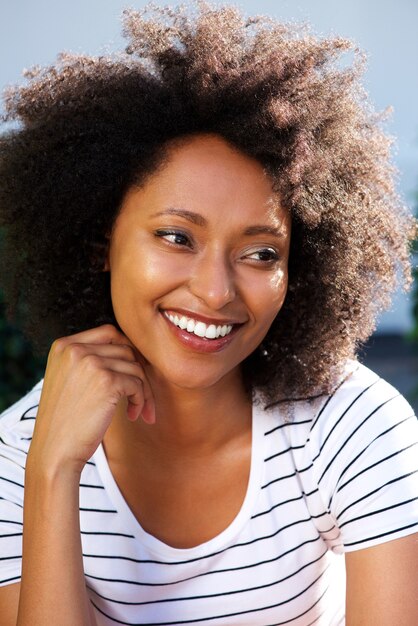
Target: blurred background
[33, 32]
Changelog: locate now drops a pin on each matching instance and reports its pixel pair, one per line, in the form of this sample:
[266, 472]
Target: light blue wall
[34, 31]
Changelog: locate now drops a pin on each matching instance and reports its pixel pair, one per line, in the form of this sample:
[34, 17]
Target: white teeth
[182, 323]
[199, 329]
[210, 331]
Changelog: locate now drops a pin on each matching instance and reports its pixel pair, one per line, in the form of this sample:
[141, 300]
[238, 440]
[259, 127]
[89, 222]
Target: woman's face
[198, 260]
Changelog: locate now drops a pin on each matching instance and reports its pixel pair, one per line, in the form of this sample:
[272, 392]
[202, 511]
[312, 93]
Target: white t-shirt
[334, 475]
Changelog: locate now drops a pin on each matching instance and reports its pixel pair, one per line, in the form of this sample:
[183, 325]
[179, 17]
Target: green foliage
[20, 368]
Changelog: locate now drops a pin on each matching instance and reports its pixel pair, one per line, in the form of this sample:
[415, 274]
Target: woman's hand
[87, 375]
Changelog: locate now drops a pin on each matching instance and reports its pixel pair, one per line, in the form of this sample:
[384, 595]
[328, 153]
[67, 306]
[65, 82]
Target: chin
[194, 379]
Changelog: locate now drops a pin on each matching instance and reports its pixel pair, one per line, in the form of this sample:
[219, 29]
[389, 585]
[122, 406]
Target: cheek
[142, 275]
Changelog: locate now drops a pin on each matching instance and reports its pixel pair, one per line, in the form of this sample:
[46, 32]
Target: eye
[174, 237]
[266, 256]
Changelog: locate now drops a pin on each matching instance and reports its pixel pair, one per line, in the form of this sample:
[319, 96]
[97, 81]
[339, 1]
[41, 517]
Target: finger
[141, 403]
[148, 412]
[146, 409]
[109, 350]
[106, 334]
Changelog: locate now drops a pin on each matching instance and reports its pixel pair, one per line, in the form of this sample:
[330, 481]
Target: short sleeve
[367, 463]
[16, 427]
[11, 508]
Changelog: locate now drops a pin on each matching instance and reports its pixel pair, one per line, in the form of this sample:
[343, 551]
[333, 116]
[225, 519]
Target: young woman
[206, 227]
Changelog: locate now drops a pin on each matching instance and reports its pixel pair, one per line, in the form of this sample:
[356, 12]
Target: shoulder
[363, 446]
[20, 409]
[361, 408]
[16, 427]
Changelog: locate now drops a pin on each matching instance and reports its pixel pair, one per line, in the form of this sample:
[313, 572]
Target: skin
[208, 264]
[194, 411]
[209, 269]
[382, 587]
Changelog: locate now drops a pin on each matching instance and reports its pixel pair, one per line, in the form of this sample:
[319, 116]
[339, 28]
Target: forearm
[53, 588]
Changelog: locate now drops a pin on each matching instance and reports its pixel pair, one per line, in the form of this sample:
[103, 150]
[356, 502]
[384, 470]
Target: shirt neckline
[225, 537]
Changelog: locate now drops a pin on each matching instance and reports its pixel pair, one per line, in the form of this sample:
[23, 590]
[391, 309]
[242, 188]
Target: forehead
[206, 174]
[198, 160]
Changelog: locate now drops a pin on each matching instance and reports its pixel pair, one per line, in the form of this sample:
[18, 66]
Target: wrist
[52, 470]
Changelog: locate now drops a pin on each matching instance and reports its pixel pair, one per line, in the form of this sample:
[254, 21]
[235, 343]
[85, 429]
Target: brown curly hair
[89, 128]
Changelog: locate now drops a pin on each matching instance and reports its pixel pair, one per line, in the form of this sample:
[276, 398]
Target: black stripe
[90, 463]
[13, 447]
[98, 510]
[366, 469]
[235, 545]
[382, 434]
[208, 572]
[340, 418]
[215, 617]
[25, 415]
[13, 482]
[11, 535]
[87, 532]
[213, 595]
[353, 432]
[276, 532]
[324, 406]
[12, 408]
[275, 506]
[9, 558]
[92, 486]
[273, 456]
[288, 621]
[366, 448]
[390, 482]
[8, 521]
[332, 395]
[389, 532]
[8, 580]
[298, 471]
[387, 508]
[286, 424]
[14, 503]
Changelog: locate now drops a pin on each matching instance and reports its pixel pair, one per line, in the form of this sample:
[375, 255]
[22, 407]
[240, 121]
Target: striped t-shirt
[329, 476]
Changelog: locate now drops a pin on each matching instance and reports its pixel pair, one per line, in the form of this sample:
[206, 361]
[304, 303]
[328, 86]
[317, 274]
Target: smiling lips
[199, 328]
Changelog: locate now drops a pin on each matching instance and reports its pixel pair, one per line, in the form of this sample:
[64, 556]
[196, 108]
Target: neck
[195, 422]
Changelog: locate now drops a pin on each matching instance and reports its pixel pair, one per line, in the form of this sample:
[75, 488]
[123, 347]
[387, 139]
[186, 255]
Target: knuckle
[91, 361]
[74, 352]
[106, 379]
[110, 331]
[109, 328]
[58, 345]
[129, 351]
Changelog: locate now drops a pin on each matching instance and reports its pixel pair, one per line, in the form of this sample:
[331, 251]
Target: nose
[212, 281]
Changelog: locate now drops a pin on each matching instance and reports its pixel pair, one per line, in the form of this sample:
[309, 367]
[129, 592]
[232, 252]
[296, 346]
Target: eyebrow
[199, 220]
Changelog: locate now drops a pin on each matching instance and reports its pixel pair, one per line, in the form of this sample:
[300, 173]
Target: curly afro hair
[86, 129]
